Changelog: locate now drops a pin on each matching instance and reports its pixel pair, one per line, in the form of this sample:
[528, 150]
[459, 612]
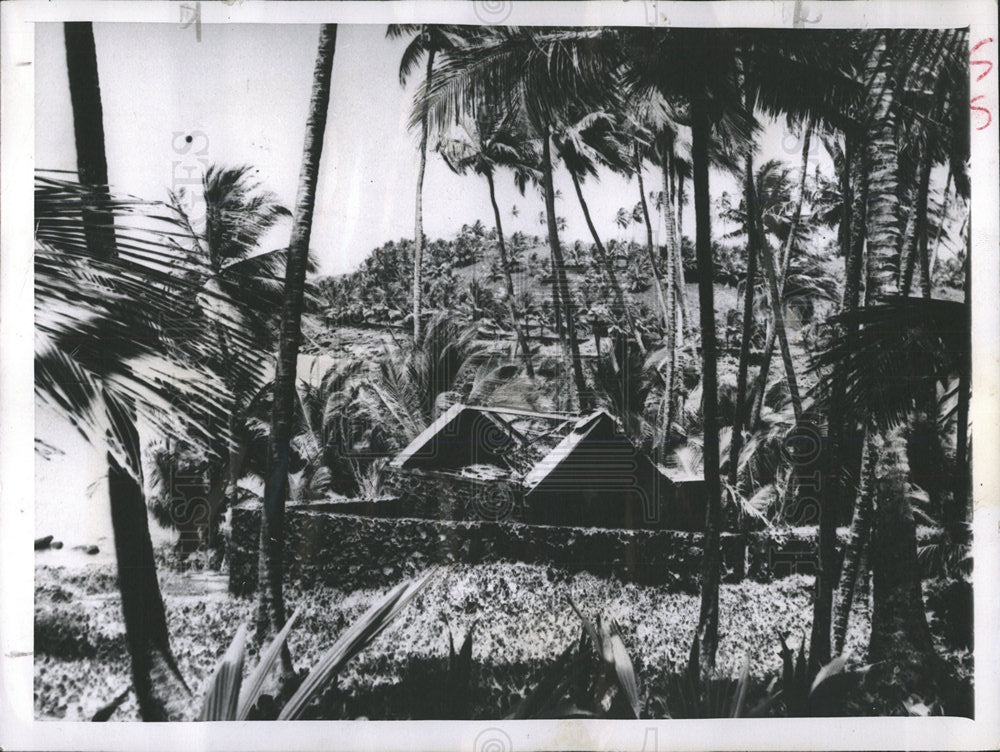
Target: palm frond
[903, 344]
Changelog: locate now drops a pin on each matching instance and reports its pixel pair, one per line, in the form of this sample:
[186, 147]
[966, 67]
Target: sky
[242, 93]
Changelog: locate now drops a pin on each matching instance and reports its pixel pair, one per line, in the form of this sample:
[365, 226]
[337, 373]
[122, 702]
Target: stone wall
[439, 496]
[350, 551]
[367, 544]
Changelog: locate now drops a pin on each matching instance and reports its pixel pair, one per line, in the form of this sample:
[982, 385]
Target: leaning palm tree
[271, 603]
[114, 346]
[88, 127]
[776, 284]
[585, 144]
[540, 74]
[86, 347]
[487, 143]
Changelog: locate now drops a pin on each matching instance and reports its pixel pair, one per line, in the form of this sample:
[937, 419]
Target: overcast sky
[246, 88]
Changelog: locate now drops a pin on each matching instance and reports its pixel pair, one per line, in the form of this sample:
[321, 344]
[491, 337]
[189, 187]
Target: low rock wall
[349, 545]
[349, 551]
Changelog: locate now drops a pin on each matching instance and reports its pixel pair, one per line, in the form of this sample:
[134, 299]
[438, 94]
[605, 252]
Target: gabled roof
[427, 435]
[460, 425]
[583, 428]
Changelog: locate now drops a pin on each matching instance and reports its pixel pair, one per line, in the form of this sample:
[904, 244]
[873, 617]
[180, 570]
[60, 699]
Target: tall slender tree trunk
[857, 542]
[777, 312]
[650, 248]
[917, 245]
[88, 130]
[708, 617]
[559, 270]
[736, 442]
[940, 230]
[609, 268]
[785, 262]
[863, 506]
[505, 262]
[670, 250]
[832, 481]
[142, 604]
[418, 232]
[271, 612]
[682, 307]
[899, 625]
[925, 451]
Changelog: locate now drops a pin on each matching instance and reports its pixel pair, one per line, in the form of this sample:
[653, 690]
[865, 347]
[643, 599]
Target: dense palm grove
[804, 345]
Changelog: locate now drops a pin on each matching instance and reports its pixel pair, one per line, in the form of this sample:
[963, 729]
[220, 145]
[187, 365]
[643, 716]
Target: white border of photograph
[19, 730]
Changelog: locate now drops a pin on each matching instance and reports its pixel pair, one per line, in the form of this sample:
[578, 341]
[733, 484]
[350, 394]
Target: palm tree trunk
[736, 442]
[855, 192]
[832, 481]
[785, 262]
[925, 451]
[917, 245]
[856, 545]
[559, 270]
[418, 232]
[708, 617]
[234, 459]
[142, 604]
[271, 612]
[608, 266]
[940, 230]
[670, 250]
[518, 328]
[88, 130]
[777, 312]
[683, 314]
[650, 249]
[883, 215]
[899, 623]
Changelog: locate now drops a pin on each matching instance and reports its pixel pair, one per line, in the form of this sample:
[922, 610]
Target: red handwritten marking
[987, 63]
[989, 117]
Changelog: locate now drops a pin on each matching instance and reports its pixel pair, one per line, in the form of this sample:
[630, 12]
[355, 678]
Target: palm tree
[584, 144]
[142, 604]
[776, 328]
[271, 604]
[540, 74]
[897, 61]
[114, 344]
[561, 283]
[736, 441]
[88, 127]
[491, 142]
[883, 359]
[408, 389]
[225, 249]
[428, 40]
